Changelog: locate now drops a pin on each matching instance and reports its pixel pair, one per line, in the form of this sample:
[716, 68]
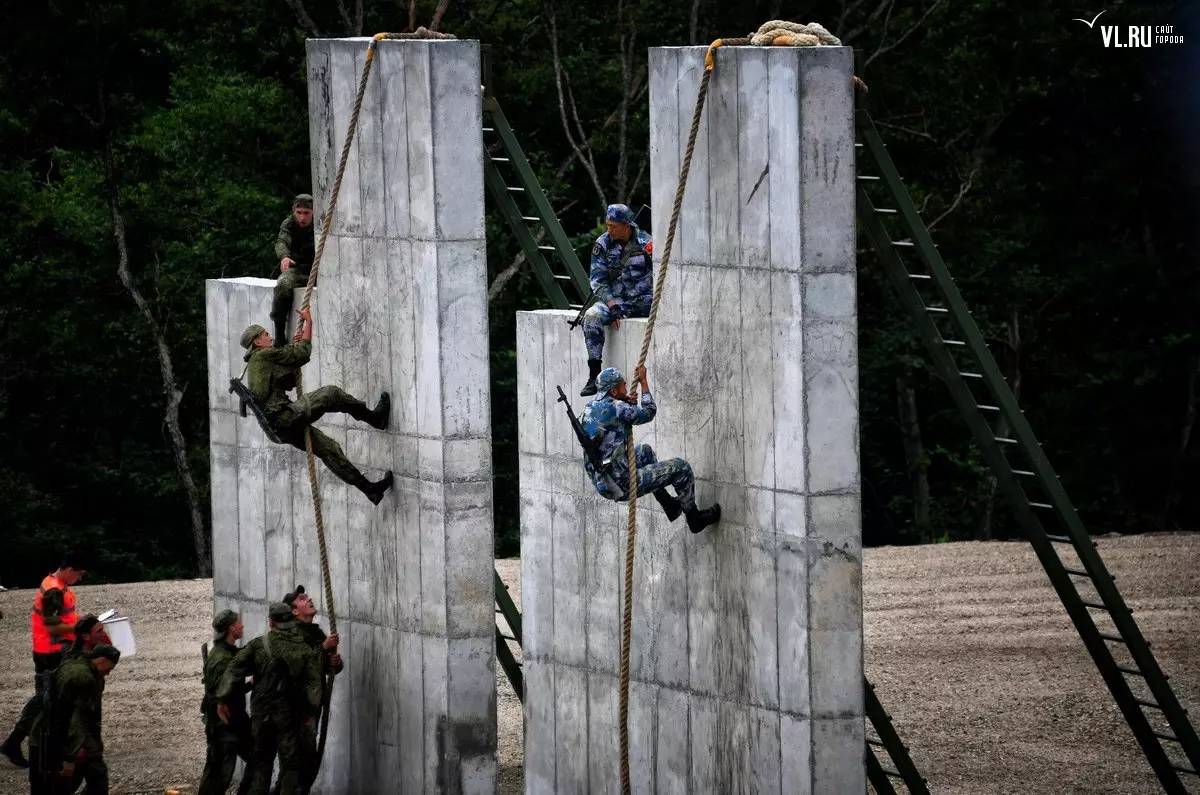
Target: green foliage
[1078, 216]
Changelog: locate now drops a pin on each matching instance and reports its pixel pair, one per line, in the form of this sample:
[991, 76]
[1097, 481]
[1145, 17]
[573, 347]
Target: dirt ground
[966, 643]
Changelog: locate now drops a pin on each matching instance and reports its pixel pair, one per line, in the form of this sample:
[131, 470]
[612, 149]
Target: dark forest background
[146, 146]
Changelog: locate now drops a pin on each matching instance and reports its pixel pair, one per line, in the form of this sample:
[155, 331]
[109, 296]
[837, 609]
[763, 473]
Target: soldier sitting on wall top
[272, 372]
[608, 419]
[622, 276]
[295, 247]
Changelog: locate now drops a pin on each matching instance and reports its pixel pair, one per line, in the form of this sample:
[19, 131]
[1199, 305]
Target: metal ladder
[550, 253]
[1023, 474]
[902, 768]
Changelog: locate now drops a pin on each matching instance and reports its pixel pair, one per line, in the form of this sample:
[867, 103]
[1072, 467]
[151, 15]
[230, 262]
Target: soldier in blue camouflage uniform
[608, 419]
[622, 276]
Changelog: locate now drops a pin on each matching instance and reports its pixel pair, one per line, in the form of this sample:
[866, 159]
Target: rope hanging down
[326, 223]
[778, 33]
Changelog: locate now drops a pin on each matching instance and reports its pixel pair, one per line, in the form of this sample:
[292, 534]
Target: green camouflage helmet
[280, 613]
[251, 334]
[303, 200]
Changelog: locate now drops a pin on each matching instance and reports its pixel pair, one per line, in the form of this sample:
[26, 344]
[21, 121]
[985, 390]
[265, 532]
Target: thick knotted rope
[781, 33]
[326, 223]
[777, 33]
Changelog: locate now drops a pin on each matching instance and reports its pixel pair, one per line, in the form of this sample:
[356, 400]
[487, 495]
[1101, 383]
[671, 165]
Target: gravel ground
[966, 643]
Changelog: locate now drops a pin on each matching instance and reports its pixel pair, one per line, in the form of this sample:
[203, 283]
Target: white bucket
[120, 632]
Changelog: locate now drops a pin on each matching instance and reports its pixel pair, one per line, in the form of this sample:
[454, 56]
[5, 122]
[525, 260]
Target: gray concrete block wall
[401, 307]
[747, 640]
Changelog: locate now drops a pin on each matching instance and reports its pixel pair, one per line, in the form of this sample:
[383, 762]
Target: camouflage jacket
[280, 651]
[296, 242]
[607, 421]
[617, 277]
[75, 714]
[215, 665]
[314, 636]
[271, 373]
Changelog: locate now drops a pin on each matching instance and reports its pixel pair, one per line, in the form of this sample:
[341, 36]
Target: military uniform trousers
[600, 317]
[225, 745]
[286, 285]
[91, 771]
[280, 733]
[653, 475]
[290, 422]
[43, 665]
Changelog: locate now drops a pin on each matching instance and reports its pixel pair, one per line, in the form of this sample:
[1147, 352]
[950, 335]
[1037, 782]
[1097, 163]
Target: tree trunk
[914, 454]
[1186, 429]
[1013, 368]
[171, 390]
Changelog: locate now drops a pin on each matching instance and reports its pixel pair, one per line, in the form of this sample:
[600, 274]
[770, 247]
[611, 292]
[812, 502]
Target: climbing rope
[326, 223]
[777, 33]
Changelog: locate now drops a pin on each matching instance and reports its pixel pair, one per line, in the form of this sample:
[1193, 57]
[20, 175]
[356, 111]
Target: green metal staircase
[902, 768]
[960, 355]
[520, 199]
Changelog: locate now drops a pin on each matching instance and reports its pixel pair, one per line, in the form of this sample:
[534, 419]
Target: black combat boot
[12, 750]
[699, 519]
[381, 413]
[589, 388]
[281, 333]
[670, 505]
[376, 490]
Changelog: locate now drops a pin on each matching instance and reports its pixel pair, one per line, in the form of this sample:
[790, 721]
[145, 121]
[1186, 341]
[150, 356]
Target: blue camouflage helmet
[620, 213]
[608, 379]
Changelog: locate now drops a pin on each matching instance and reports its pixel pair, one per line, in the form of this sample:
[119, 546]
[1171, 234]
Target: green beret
[279, 613]
[224, 620]
[110, 653]
[303, 200]
[251, 334]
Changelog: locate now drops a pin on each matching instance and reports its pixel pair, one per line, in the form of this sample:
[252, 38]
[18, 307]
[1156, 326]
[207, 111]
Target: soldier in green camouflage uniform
[304, 612]
[295, 249]
[226, 741]
[271, 374]
[65, 745]
[286, 697]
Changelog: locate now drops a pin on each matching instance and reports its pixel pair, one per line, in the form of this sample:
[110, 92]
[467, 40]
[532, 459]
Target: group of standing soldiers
[288, 673]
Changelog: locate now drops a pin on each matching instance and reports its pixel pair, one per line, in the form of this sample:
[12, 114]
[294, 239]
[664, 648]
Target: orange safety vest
[43, 641]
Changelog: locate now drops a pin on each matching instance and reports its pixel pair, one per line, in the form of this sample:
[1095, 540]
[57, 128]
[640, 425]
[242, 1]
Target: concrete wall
[747, 639]
[401, 307]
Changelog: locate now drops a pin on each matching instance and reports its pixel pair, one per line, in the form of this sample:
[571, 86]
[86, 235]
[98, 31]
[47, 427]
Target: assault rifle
[591, 449]
[239, 388]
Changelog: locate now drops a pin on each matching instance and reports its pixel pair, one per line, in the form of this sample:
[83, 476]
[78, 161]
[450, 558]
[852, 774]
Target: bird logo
[1089, 24]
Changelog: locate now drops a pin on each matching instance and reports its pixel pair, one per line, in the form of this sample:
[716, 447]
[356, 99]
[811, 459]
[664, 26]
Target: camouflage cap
[620, 213]
[279, 612]
[303, 200]
[608, 379]
[224, 620]
[251, 334]
[288, 599]
[110, 653]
